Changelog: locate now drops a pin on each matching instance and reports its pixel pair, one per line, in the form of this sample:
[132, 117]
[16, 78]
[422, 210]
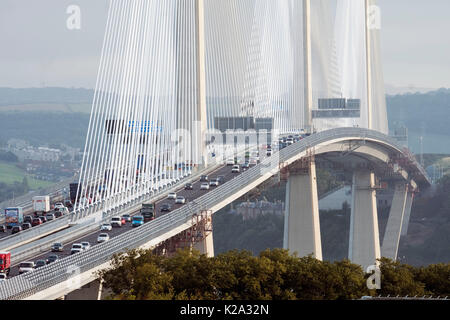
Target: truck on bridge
[74, 188]
[13, 217]
[148, 211]
[41, 204]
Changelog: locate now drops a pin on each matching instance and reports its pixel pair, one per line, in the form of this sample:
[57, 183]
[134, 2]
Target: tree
[274, 274]
[399, 279]
[137, 274]
[436, 279]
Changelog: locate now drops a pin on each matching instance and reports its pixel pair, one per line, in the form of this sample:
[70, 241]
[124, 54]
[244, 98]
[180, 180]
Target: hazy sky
[37, 49]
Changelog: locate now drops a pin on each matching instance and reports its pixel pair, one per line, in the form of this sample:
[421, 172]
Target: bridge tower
[201, 83]
[307, 121]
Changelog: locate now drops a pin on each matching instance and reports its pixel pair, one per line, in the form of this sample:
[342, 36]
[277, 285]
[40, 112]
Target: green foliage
[273, 274]
[236, 275]
[436, 279]
[8, 191]
[399, 279]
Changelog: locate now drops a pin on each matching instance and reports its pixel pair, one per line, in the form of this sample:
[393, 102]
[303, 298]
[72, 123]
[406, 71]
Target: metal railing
[48, 276]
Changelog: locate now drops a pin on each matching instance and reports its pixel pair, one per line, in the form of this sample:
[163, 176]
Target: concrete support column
[391, 238]
[407, 215]
[302, 225]
[364, 242]
[206, 246]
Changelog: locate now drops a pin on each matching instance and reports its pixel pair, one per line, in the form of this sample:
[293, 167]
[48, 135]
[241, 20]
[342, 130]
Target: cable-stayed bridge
[186, 85]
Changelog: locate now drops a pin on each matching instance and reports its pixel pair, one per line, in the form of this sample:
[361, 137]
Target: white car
[204, 186]
[86, 245]
[106, 227]
[76, 247]
[180, 200]
[59, 206]
[64, 211]
[214, 183]
[102, 237]
[236, 169]
[172, 195]
[116, 222]
[2, 277]
[26, 266]
[230, 161]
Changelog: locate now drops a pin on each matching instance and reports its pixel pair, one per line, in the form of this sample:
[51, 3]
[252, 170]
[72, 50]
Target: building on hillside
[251, 210]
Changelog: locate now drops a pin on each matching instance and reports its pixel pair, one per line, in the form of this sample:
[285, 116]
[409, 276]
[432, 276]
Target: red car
[36, 222]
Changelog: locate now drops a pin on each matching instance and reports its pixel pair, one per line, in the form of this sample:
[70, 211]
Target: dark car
[36, 222]
[204, 179]
[52, 258]
[16, 229]
[28, 219]
[58, 214]
[245, 165]
[43, 219]
[221, 179]
[126, 217]
[40, 263]
[2, 228]
[26, 226]
[68, 203]
[57, 247]
[189, 186]
[165, 207]
[148, 216]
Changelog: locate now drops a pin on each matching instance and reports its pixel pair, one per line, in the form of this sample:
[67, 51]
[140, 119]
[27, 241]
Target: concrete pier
[364, 242]
[405, 223]
[206, 246]
[302, 225]
[391, 238]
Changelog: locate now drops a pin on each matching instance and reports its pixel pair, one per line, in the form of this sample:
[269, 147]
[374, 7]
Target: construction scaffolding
[201, 227]
[299, 167]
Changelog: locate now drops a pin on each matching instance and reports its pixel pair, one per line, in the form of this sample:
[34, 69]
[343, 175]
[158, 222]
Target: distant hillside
[11, 96]
[424, 114]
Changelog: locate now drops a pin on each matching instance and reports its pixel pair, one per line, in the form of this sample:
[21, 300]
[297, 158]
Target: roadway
[29, 212]
[190, 195]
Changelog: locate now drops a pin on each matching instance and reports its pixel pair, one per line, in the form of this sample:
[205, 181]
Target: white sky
[37, 49]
